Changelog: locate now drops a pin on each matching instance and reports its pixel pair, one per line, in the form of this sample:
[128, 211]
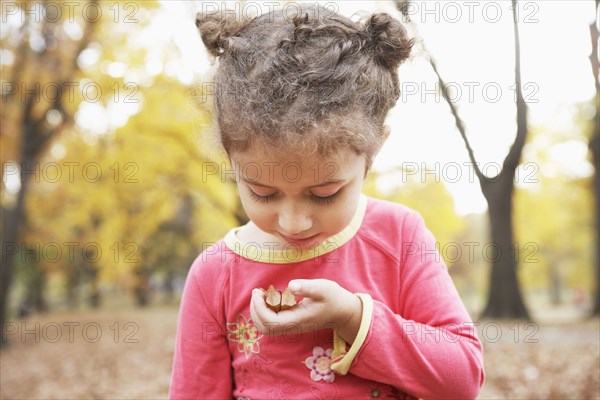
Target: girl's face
[298, 200]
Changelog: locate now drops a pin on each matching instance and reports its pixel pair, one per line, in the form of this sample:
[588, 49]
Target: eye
[325, 199]
[260, 199]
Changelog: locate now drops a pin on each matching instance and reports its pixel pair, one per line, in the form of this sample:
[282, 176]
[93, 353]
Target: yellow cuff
[342, 359]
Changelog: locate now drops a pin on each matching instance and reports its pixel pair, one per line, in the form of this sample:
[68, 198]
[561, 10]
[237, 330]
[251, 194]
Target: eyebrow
[327, 182]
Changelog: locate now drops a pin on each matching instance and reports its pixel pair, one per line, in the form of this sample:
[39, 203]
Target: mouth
[303, 243]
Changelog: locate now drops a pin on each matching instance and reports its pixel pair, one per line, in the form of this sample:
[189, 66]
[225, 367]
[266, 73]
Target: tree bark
[504, 296]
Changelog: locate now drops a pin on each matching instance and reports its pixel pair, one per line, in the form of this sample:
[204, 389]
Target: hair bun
[389, 39]
[216, 29]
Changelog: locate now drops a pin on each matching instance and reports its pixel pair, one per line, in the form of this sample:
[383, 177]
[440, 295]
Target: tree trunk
[36, 290]
[11, 248]
[32, 144]
[168, 287]
[595, 148]
[142, 287]
[72, 286]
[555, 284]
[94, 296]
[504, 298]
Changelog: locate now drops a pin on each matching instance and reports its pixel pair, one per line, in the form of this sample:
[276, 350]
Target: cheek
[341, 215]
[258, 213]
[336, 219]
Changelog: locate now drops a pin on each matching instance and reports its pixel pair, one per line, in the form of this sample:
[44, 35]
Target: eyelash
[259, 198]
[324, 200]
[318, 199]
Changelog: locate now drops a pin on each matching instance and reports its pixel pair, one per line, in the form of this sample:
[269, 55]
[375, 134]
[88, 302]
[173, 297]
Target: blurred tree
[36, 108]
[158, 200]
[186, 202]
[504, 299]
[150, 166]
[595, 146]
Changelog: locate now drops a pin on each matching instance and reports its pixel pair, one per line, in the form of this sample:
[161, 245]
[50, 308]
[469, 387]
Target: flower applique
[320, 365]
[245, 334]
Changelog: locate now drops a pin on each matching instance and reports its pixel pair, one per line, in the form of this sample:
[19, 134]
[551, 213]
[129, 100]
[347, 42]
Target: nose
[294, 221]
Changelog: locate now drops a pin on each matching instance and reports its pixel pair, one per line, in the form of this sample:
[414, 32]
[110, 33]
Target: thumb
[311, 288]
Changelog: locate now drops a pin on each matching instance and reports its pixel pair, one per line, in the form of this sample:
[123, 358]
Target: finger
[254, 300]
[316, 289]
[259, 310]
[270, 322]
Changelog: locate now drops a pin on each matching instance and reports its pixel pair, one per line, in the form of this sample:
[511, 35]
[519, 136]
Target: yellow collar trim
[253, 252]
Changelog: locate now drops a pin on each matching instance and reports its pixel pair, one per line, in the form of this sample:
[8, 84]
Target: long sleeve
[429, 349]
[202, 361]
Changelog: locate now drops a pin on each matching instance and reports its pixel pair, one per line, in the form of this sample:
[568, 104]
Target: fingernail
[294, 286]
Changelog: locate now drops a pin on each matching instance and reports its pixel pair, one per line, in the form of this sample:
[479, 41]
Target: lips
[306, 242]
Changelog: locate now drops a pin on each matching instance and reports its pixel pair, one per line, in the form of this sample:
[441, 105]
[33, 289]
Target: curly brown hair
[310, 79]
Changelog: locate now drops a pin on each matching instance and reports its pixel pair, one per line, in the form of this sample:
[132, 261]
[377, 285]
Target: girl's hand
[325, 304]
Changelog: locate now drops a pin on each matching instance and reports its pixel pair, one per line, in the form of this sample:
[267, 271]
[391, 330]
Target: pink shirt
[416, 340]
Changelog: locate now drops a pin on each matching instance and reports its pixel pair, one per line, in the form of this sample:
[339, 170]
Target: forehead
[270, 166]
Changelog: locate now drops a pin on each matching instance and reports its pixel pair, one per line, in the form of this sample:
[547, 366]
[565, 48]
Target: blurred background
[112, 184]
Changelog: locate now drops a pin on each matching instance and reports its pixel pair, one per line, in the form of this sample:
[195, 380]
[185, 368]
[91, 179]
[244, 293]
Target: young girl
[301, 98]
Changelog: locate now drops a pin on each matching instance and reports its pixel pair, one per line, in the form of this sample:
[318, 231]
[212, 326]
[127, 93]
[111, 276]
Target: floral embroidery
[245, 334]
[320, 365]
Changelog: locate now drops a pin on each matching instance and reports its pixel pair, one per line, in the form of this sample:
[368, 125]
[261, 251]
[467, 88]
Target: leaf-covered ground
[127, 355]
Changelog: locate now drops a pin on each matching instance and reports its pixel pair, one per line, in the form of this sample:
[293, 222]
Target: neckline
[288, 255]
